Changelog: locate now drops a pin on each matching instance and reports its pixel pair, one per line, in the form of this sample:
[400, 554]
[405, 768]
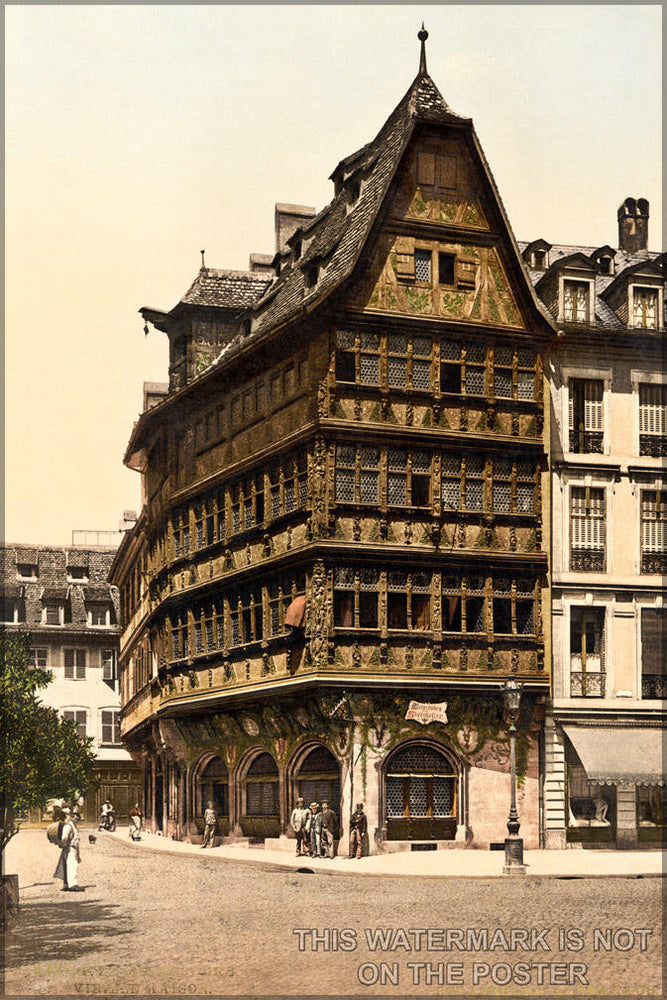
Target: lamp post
[513, 842]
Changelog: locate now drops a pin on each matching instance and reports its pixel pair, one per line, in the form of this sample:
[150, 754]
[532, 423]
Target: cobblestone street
[151, 923]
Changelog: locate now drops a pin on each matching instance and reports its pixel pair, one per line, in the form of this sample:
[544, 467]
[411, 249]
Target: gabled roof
[537, 245]
[642, 267]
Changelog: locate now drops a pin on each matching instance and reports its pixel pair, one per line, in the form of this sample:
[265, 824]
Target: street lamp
[513, 843]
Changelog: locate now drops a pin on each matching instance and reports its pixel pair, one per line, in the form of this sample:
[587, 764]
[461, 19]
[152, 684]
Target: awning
[620, 755]
[296, 613]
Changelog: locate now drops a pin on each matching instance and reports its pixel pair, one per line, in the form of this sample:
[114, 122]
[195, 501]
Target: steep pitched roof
[335, 238]
[226, 289]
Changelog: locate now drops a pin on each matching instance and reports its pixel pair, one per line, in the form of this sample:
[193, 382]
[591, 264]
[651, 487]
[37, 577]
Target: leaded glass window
[423, 265]
[451, 482]
[502, 484]
[474, 482]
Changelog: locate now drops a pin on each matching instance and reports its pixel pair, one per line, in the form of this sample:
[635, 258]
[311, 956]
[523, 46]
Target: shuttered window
[586, 415]
[652, 420]
[654, 531]
[587, 528]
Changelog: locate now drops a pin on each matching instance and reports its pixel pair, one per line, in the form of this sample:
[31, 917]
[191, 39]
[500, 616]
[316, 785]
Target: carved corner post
[318, 615]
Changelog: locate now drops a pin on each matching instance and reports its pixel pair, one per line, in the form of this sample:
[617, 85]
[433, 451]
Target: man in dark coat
[358, 831]
[329, 829]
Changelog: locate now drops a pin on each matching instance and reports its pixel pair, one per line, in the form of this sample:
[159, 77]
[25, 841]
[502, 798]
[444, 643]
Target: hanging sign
[424, 712]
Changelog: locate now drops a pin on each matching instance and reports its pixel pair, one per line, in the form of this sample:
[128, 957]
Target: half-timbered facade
[344, 512]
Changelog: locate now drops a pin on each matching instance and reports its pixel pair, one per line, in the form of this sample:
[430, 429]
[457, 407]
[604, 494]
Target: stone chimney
[633, 225]
[288, 220]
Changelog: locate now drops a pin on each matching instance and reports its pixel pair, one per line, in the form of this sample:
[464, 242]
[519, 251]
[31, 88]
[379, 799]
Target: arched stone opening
[260, 797]
[211, 784]
[315, 777]
[422, 792]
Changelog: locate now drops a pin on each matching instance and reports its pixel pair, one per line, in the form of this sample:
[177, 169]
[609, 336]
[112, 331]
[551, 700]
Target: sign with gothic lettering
[424, 712]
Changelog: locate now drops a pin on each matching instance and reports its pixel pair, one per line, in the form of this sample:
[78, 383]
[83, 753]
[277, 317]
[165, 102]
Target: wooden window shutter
[466, 273]
[447, 171]
[405, 258]
[426, 169]
[69, 664]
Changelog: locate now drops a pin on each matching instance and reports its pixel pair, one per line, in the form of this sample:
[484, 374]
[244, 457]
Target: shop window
[652, 813]
[75, 664]
[654, 531]
[80, 719]
[450, 366]
[111, 726]
[586, 415]
[587, 529]
[653, 658]
[420, 794]
[576, 296]
[645, 308]
[475, 370]
[587, 676]
[591, 807]
[653, 420]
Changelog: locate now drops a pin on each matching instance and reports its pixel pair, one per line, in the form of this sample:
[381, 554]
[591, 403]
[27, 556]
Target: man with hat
[329, 828]
[315, 830]
[358, 831]
[299, 821]
[68, 862]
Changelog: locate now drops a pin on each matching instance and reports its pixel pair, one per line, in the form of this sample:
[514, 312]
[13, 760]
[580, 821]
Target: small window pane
[423, 265]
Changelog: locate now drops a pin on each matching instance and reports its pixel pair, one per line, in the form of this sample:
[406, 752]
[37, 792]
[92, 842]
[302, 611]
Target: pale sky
[138, 135]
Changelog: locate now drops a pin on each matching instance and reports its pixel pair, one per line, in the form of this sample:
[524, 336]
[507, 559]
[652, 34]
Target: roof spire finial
[202, 252]
[422, 36]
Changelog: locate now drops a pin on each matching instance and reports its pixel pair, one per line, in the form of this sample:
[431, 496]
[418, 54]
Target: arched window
[420, 794]
[318, 778]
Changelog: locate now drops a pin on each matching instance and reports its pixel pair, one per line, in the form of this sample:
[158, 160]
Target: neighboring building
[342, 513]
[605, 735]
[62, 597]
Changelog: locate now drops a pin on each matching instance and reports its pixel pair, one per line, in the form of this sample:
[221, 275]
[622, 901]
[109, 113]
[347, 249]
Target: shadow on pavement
[65, 930]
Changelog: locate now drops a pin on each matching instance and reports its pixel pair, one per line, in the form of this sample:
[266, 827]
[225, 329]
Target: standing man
[315, 830]
[136, 821]
[210, 821]
[358, 830]
[299, 821]
[329, 830]
[68, 862]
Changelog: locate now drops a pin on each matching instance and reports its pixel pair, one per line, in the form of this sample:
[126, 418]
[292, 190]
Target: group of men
[316, 827]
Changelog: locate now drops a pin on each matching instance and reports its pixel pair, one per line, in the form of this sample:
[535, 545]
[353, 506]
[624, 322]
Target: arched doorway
[213, 785]
[261, 814]
[317, 778]
[421, 784]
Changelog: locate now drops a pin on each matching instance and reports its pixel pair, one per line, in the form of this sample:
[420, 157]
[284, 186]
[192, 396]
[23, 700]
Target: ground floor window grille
[262, 787]
[420, 795]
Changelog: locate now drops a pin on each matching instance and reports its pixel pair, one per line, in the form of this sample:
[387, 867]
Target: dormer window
[310, 275]
[296, 249]
[645, 308]
[539, 260]
[576, 296]
[27, 571]
[606, 265]
[353, 192]
[77, 574]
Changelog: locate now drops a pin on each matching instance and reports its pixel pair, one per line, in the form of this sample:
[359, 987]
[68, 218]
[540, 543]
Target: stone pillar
[554, 786]
[152, 792]
[346, 802]
[626, 816]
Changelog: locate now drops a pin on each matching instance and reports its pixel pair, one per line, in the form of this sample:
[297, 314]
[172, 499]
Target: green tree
[43, 757]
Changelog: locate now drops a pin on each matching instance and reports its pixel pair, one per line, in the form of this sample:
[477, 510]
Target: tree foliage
[43, 757]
